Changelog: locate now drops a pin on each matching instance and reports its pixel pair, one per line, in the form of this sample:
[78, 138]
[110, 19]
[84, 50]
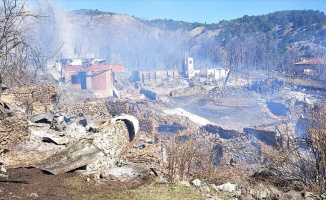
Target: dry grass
[80, 189]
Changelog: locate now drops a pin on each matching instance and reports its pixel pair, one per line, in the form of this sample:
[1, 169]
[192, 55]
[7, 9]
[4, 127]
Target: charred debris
[66, 127]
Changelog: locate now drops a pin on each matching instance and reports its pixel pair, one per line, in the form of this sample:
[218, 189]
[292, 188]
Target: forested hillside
[271, 41]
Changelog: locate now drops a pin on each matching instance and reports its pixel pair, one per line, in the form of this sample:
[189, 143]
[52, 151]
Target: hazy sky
[210, 11]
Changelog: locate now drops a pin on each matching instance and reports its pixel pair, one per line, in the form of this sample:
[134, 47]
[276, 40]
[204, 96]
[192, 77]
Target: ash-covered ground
[237, 122]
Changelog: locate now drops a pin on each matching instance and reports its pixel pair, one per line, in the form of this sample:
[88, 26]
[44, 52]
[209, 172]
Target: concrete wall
[189, 67]
[153, 76]
[99, 79]
[103, 83]
[216, 72]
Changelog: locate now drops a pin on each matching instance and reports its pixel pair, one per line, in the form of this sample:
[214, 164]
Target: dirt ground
[73, 185]
[39, 185]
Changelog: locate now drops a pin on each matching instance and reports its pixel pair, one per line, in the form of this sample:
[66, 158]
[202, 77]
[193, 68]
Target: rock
[186, 183]
[209, 197]
[33, 196]
[308, 195]
[214, 187]
[238, 193]
[259, 193]
[3, 175]
[205, 188]
[292, 195]
[227, 187]
[119, 163]
[162, 180]
[140, 146]
[3, 172]
[196, 182]
[2, 169]
[97, 177]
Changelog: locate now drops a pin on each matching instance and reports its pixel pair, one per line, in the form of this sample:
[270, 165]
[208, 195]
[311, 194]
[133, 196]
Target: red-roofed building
[310, 66]
[97, 78]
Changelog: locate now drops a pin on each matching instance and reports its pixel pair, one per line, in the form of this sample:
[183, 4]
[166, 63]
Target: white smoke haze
[121, 39]
[140, 44]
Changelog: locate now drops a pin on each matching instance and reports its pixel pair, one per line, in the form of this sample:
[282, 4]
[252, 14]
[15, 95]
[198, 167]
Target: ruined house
[217, 73]
[153, 76]
[188, 68]
[97, 78]
[309, 66]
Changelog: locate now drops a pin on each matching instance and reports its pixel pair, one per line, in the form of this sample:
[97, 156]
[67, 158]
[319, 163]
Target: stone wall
[117, 107]
[37, 99]
[13, 126]
[93, 109]
[147, 125]
[15, 108]
[112, 140]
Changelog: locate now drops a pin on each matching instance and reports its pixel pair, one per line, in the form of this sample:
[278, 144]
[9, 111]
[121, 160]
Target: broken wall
[117, 107]
[187, 91]
[147, 125]
[17, 104]
[37, 99]
[13, 126]
[94, 109]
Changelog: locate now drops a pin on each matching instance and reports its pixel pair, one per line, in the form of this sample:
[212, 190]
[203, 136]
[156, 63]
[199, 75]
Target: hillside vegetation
[265, 42]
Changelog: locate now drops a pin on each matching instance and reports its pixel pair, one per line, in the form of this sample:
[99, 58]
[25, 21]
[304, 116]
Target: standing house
[309, 66]
[97, 78]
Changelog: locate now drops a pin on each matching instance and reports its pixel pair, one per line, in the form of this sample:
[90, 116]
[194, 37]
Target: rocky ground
[236, 122]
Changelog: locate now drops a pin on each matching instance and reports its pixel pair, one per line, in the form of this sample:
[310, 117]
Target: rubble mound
[188, 91]
[13, 126]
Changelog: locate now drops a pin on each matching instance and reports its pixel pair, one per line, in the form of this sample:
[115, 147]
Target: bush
[188, 157]
[304, 159]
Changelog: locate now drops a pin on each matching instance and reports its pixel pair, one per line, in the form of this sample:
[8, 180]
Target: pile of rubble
[98, 150]
[91, 110]
[116, 107]
[17, 105]
[42, 131]
[13, 126]
[188, 91]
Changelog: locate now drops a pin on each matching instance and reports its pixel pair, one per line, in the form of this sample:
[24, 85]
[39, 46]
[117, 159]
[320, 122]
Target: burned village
[128, 108]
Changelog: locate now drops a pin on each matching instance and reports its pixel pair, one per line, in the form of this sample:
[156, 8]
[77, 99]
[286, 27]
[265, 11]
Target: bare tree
[304, 158]
[45, 38]
[14, 50]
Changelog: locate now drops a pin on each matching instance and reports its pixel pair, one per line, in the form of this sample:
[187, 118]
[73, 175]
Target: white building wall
[190, 67]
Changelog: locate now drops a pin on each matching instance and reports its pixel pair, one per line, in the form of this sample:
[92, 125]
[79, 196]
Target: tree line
[266, 42]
